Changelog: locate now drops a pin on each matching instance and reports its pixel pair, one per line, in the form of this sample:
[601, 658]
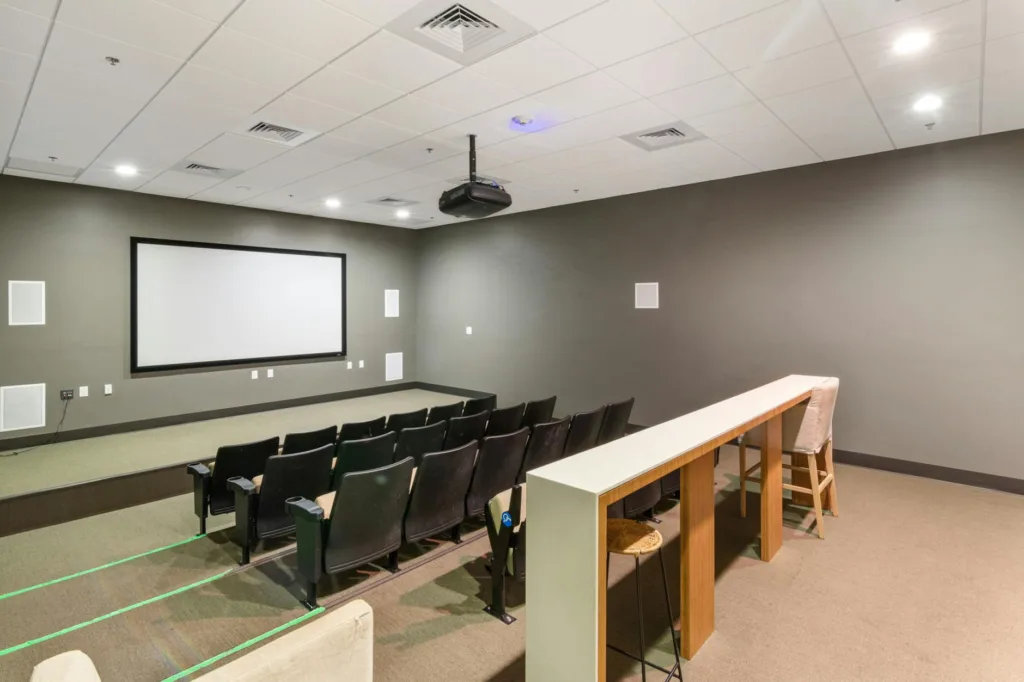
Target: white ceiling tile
[22, 32]
[103, 175]
[307, 27]
[667, 68]
[727, 121]
[1005, 54]
[624, 120]
[542, 14]
[12, 94]
[612, 152]
[227, 193]
[344, 91]
[373, 133]
[496, 125]
[770, 148]
[716, 94]
[819, 110]
[266, 202]
[16, 67]
[598, 36]
[237, 54]
[532, 65]
[342, 149]
[377, 12]
[237, 152]
[395, 62]
[43, 8]
[214, 10]
[782, 30]
[949, 29]
[305, 114]
[467, 93]
[1005, 17]
[201, 88]
[857, 16]
[154, 141]
[587, 95]
[292, 166]
[452, 167]
[700, 15]
[177, 184]
[867, 136]
[147, 24]
[958, 116]
[37, 176]
[516, 149]
[414, 153]
[713, 160]
[925, 74]
[1004, 101]
[416, 114]
[795, 72]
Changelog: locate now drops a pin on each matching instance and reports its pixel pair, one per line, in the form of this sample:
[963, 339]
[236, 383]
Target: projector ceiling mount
[474, 199]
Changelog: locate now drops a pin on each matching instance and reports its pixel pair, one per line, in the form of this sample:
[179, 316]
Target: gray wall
[899, 273]
[77, 240]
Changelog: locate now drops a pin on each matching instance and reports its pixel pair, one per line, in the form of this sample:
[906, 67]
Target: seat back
[462, 430]
[247, 460]
[367, 429]
[360, 455]
[497, 464]
[616, 419]
[442, 413]
[416, 442]
[808, 426]
[310, 440]
[406, 420]
[301, 474]
[583, 433]
[539, 411]
[547, 443]
[438, 498]
[366, 519]
[505, 420]
[478, 405]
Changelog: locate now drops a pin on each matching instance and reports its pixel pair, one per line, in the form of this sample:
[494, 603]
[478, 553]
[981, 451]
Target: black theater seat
[416, 442]
[547, 442]
[367, 429]
[497, 465]
[506, 529]
[462, 430]
[310, 440]
[505, 420]
[438, 496]
[478, 405]
[406, 420]
[210, 481]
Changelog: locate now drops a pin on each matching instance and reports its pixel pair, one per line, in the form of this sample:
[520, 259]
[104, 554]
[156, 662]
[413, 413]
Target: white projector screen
[204, 305]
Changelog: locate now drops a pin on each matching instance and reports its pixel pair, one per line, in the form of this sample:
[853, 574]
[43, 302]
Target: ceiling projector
[474, 199]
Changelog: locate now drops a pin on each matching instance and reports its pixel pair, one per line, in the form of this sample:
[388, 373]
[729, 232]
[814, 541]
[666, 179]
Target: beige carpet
[917, 580]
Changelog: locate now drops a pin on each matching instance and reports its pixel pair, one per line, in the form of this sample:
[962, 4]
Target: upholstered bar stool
[806, 435]
[636, 539]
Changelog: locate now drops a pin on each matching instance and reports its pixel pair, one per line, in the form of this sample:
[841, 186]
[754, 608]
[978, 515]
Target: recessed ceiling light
[911, 42]
[332, 203]
[126, 170]
[402, 213]
[928, 103]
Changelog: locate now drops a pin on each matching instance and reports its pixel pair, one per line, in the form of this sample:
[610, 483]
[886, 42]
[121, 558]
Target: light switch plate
[108, 389]
[270, 374]
[469, 331]
[83, 391]
[349, 366]
[255, 374]
[362, 364]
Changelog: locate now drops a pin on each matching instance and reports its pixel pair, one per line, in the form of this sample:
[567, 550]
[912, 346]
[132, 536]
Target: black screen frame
[136, 369]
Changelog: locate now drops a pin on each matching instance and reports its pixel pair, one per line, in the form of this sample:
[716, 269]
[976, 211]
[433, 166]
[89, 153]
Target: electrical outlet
[108, 389]
[67, 394]
[83, 391]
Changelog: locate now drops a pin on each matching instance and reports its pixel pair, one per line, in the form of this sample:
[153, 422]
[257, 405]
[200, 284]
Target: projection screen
[204, 305]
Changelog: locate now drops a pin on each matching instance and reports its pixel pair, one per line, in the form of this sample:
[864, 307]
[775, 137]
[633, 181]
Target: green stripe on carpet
[79, 626]
[98, 568]
[244, 645]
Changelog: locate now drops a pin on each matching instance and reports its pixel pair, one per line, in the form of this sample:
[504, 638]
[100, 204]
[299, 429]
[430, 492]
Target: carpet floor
[917, 580]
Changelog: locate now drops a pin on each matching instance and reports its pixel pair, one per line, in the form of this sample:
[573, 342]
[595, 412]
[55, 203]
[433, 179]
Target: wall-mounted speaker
[645, 295]
[26, 303]
[22, 407]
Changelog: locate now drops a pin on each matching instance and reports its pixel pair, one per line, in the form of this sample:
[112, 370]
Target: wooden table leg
[697, 561]
[771, 489]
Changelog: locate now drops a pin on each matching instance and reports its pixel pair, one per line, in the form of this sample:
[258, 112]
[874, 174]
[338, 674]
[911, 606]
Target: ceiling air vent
[392, 202]
[203, 170]
[280, 132]
[460, 28]
[465, 31]
[663, 137]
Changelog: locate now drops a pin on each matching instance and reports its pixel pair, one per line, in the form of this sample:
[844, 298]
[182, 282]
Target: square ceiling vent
[392, 202]
[464, 31]
[664, 136]
[280, 132]
[202, 170]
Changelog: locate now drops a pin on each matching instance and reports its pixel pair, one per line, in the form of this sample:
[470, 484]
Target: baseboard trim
[939, 473]
[19, 443]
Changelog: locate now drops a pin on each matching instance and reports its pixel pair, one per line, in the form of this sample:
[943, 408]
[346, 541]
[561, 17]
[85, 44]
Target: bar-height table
[566, 582]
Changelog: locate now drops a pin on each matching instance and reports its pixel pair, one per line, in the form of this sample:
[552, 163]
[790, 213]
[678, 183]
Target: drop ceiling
[756, 85]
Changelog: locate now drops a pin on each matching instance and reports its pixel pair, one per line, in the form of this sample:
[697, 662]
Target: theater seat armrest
[242, 485]
[199, 470]
[301, 509]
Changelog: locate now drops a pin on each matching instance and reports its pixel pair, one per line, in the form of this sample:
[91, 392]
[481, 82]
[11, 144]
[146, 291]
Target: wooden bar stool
[635, 539]
[807, 434]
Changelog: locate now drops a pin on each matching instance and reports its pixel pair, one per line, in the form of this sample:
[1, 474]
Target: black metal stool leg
[671, 622]
[640, 621]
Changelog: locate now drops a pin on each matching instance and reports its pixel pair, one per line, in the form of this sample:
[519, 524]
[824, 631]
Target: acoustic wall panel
[26, 303]
[393, 367]
[645, 295]
[22, 407]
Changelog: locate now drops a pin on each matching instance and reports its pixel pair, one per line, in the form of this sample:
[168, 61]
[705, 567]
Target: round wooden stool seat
[632, 537]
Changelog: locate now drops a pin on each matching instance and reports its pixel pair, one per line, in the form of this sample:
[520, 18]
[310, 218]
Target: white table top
[607, 467]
